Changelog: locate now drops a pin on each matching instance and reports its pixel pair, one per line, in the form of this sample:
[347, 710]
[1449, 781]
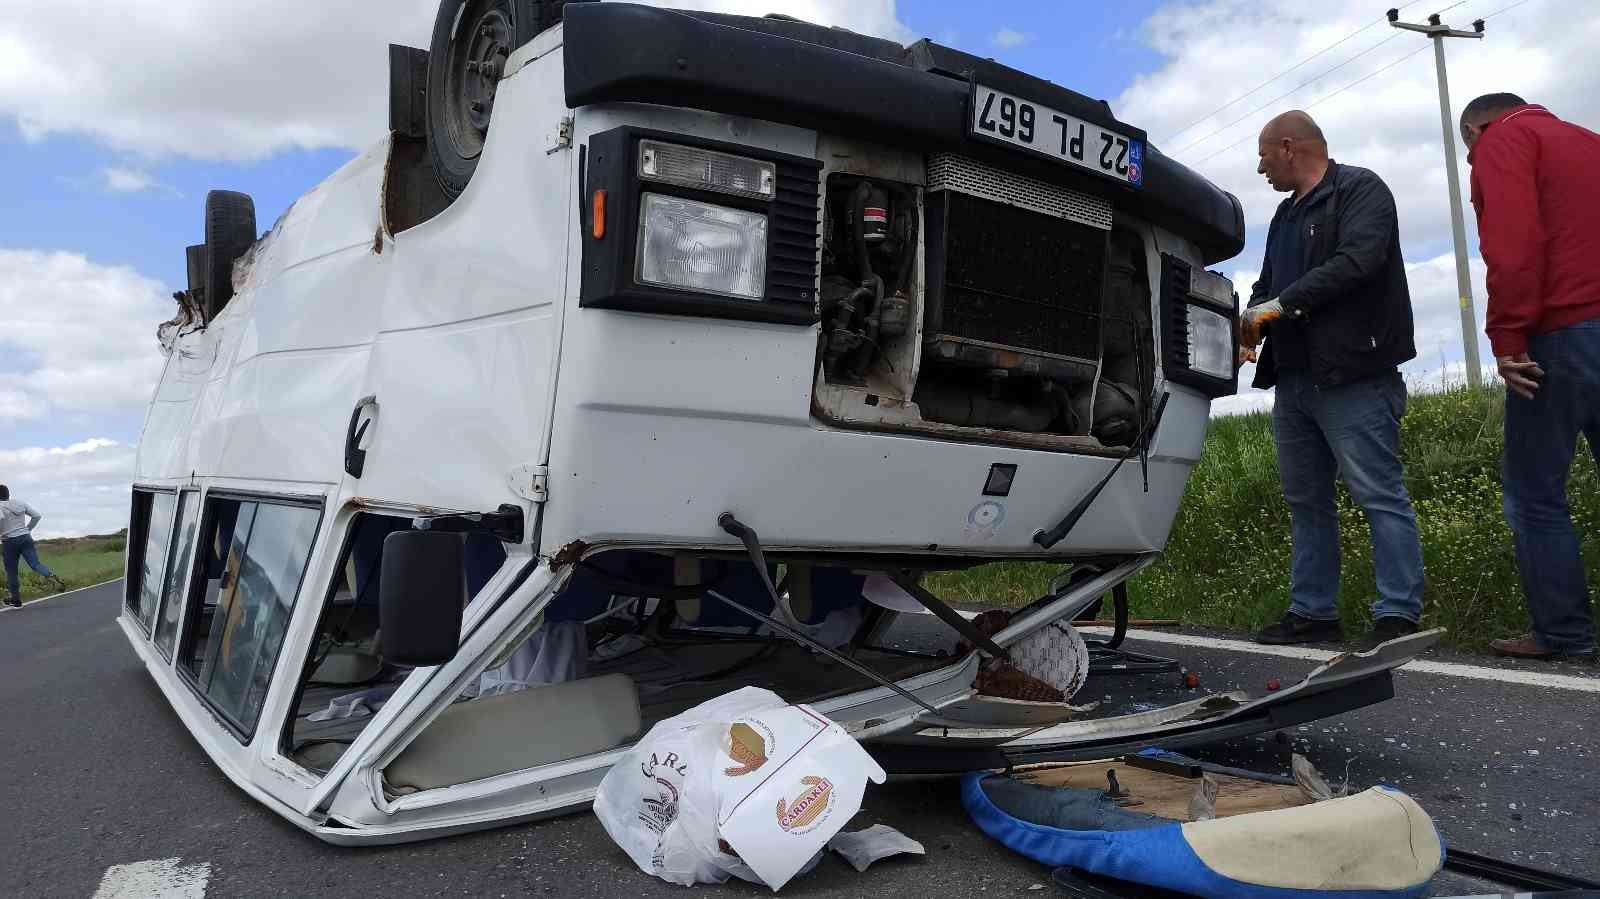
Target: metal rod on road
[1437, 32]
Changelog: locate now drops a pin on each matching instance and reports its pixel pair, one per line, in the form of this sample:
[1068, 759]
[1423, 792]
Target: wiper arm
[1049, 538]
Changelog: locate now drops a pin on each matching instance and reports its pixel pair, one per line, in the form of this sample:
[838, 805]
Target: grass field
[79, 561]
[1227, 562]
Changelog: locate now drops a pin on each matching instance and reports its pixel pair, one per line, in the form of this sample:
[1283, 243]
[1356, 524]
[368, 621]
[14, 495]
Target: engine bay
[963, 300]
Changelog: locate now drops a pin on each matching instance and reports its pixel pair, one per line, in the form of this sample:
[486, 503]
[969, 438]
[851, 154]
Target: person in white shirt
[17, 520]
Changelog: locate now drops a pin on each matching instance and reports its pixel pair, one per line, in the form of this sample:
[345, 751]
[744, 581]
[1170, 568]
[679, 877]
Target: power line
[1450, 7]
[1505, 9]
[1296, 89]
[1253, 90]
[1321, 100]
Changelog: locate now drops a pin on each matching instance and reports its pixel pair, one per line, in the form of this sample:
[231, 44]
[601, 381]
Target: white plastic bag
[657, 801]
[688, 805]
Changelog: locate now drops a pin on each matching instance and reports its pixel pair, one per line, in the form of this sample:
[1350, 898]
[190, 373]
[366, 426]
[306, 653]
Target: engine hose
[908, 261]
[859, 228]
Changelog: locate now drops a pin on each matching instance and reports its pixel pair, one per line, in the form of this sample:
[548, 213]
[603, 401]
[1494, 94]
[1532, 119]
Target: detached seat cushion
[1378, 843]
[513, 731]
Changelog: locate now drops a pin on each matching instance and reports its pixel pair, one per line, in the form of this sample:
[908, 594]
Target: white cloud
[80, 489]
[242, 81]
[128, 180]
[1006, 38]
[76, 336]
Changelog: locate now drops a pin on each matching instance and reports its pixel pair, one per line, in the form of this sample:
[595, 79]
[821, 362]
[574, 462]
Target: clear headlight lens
[701, 247]
[1213, 288]
[1210, 343]
[706, 169]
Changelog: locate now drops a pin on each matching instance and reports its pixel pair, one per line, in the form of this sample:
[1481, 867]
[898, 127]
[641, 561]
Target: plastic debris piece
[1273, 684]
[1191, 680]
[864, 847]
[1203, 804]
[1311, 782]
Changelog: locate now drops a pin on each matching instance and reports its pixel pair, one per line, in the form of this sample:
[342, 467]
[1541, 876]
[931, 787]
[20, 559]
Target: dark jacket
[1354, 299]
[1536, 188]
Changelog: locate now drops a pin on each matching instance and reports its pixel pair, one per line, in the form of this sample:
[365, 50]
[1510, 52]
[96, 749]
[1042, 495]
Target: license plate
[999, 116]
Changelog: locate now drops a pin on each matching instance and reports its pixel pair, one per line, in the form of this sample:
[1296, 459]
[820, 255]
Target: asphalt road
[96, 771]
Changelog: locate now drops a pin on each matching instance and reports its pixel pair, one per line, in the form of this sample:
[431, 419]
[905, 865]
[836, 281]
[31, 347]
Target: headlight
[1212, 288]
[706, 169]
[687, 245]
[1210, 343]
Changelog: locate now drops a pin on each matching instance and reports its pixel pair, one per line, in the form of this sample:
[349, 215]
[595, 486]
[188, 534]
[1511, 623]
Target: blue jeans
[1541, 440]
[1351, 430]
[21, 547]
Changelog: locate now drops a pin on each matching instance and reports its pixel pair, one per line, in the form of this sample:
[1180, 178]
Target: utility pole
[1469, 325]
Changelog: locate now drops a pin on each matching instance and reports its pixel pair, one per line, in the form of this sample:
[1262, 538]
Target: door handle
[355, 458]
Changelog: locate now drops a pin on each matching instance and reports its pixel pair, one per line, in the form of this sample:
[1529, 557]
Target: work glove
[1251, 322]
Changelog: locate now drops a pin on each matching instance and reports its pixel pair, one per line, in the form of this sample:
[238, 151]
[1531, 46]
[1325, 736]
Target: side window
[255, 556]
[187, 525]
[147, 553]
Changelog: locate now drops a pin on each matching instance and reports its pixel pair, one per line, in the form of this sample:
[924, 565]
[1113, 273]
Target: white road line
[34, 602]
[156, 879]
[1421, 666]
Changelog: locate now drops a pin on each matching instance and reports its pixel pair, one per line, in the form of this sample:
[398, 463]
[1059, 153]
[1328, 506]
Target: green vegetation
[78, 561]
[1227, 562]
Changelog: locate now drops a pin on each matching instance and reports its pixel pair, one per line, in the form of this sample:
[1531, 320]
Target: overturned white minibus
[655, 354]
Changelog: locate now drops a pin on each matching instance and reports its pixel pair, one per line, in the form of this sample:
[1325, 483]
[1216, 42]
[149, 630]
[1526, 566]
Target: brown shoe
[1528, 647]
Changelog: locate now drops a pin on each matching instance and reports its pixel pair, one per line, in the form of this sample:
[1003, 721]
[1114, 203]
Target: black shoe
[14, 603]
[1294, 629]
[1389, 627]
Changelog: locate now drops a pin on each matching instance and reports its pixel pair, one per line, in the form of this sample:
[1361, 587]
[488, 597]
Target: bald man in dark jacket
[1336, 309]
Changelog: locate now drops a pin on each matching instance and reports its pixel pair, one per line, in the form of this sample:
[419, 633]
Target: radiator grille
[1014, 277]
[948, 171]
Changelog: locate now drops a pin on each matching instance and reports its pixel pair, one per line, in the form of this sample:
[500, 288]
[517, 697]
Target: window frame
[133, 566]
[181, 593]
[186, 630]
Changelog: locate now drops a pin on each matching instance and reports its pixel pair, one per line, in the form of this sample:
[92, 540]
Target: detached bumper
[1346, 683]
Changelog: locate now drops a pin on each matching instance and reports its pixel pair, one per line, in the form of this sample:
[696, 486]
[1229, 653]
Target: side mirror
[422, 589]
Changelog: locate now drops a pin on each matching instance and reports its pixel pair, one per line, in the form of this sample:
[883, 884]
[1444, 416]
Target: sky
[105, 157]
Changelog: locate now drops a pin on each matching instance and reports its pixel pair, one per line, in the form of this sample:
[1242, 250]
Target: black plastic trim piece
[1325, 703]
[1519, 877]
[1175, 303]
[621, 52]
[793, 229]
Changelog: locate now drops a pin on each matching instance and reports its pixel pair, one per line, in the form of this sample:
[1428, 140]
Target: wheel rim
[478, 51]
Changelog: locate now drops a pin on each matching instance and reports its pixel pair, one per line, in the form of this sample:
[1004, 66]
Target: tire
[230, 232]
[472, 39]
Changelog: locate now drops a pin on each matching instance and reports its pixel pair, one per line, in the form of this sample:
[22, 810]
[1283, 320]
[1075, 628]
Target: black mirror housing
[422, 591]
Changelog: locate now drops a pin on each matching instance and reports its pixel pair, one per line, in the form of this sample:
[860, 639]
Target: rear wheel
[230, 232]
[472, 39]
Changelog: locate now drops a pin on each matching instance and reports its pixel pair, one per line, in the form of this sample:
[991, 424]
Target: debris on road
[863, 847]
[743, 785]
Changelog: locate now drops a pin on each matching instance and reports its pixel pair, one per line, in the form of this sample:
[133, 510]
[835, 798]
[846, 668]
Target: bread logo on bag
[746, 746]
[808, 806]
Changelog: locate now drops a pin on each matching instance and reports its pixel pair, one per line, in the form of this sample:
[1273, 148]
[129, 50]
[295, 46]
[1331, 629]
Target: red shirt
[1536, 189]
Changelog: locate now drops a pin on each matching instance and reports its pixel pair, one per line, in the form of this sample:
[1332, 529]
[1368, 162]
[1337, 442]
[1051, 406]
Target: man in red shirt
[1536, 189]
